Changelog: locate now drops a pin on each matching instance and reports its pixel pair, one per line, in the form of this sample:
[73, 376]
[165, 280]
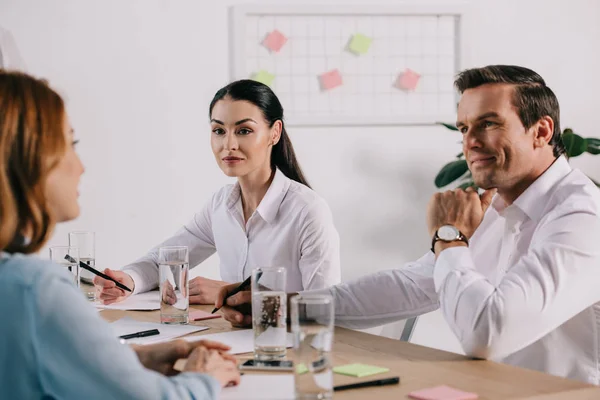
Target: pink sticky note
[442, 393]
[199, 315]
[275, 41]
[331, 79]
[408, 80]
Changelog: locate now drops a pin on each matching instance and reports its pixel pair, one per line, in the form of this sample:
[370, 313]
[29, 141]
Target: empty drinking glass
[312, 318]
[269, 313]
[173, 265]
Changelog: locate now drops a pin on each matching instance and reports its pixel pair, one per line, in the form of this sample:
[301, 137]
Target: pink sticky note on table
[331, 79]
[275, 41]
[199, 315]
[408, 80]
[442, 393]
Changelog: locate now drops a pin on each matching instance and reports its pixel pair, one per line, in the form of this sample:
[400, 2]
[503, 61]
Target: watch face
[448, 233]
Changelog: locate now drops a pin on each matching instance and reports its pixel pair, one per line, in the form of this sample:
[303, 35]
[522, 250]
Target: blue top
[55, 345]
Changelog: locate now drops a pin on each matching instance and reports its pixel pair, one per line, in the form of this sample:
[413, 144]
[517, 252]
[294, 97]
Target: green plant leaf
[451, 172]
[452, 127]
[593, 145]
[575, 144]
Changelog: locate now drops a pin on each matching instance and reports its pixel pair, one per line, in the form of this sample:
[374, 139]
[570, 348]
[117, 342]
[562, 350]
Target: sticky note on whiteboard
[263, 76]
[359, 44]
[330, 80]
[408, 80]
[274, 41]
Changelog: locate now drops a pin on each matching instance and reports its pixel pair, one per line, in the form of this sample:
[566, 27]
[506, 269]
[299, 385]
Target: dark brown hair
[532, 98]
[32, 143]
[283, 155]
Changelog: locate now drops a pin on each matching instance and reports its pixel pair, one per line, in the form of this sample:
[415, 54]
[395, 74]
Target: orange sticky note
[199, 315]
[330, 80]
[442, 393]
[275, 41]
[408, 80]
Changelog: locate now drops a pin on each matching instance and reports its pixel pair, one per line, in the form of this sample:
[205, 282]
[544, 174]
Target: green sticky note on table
[263, 76]
[359, 370]
[301, 369]
[360, 44]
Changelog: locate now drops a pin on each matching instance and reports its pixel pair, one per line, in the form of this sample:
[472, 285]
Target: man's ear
[276, 130]
[544, 129]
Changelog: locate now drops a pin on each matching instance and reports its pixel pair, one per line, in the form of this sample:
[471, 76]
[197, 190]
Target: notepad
[359, 370]
[360, 44]
[138, 302]
[442, 393]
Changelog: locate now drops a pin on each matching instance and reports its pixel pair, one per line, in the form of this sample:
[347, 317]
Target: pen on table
[378, 382]
[141, 334]
[95, 271]
[238, 289]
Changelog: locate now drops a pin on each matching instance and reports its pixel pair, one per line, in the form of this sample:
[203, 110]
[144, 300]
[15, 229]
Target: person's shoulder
[222, 195]
[303, 197]
[27, 270]
[577, 192]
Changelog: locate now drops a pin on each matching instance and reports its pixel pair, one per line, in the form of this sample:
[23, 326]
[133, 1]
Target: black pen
[378, 382]
[238, 289]
[150, 332]
[95, 271]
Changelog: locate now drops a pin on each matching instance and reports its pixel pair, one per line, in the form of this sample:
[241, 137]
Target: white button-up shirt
[292, 227]
[527, 290]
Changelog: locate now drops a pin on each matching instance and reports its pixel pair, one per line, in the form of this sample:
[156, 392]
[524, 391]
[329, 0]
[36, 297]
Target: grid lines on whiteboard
[369, 93]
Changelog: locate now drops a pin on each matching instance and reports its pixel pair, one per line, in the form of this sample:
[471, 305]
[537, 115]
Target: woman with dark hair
[269, 218]
[54, 345]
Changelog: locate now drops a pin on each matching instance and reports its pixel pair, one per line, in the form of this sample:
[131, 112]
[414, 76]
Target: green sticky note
[359, 370]
[301, 369]
[263, 76]
[360, 44]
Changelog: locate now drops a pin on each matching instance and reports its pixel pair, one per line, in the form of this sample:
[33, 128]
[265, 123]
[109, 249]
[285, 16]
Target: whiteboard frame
[237, 47]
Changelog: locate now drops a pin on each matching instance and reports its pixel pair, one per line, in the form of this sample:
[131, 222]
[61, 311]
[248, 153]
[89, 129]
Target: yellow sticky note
[360, 44]
[301, 369]
[263, 76]
[359, 370]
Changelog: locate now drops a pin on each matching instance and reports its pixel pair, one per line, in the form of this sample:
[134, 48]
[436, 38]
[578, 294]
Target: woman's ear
[276, 130]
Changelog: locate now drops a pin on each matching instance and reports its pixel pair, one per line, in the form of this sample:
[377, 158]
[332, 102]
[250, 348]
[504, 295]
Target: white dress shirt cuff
[451, 260]
[137, 279]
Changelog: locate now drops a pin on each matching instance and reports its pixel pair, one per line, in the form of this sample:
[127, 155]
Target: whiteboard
[368, 86]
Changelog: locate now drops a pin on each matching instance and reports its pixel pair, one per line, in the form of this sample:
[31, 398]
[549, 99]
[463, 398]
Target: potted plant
[458, 172]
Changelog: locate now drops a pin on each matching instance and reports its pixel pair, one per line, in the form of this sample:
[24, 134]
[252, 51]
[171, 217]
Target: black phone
[275, 365]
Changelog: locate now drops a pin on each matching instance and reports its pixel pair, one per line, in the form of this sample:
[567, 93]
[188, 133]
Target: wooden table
[419, 367]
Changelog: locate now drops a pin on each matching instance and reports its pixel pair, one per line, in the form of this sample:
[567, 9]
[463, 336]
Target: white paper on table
[271, 336]
[138, 302]
[261, 387]
[127, 325]
[240, 341]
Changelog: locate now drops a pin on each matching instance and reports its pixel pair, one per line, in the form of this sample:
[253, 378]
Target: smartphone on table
[275, 365]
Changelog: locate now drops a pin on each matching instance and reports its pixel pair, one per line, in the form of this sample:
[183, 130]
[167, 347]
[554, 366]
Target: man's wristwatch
[448, 233]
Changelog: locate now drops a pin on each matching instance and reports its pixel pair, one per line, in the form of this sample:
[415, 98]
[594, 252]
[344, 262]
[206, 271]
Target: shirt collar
[530, 201]
[269, 205]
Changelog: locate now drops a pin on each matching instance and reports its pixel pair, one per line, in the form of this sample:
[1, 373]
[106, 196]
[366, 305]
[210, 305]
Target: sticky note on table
[199, 315]
[274, 41]
[330, 80]
[359, 44]
[263, 76]
[359, 370]
[301, 369]
[408, 80]
[442, 393]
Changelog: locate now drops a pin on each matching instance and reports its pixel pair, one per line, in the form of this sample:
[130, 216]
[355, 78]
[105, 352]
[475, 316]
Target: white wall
[138, 77]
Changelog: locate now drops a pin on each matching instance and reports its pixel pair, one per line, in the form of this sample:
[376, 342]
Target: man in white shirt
[517, 273]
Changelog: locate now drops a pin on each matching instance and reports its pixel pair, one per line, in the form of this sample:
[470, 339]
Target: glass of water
[68, 258]
[173, 265]
[312, 318]
[86, 242]
[269, 313]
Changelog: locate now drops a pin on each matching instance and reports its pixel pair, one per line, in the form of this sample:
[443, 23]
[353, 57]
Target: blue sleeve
[78, 355]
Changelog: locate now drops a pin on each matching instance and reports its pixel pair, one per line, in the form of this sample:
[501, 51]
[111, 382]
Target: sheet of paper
[138, 302]
[129, 325]
[261, 387]
[199, 315]
[240, 341]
